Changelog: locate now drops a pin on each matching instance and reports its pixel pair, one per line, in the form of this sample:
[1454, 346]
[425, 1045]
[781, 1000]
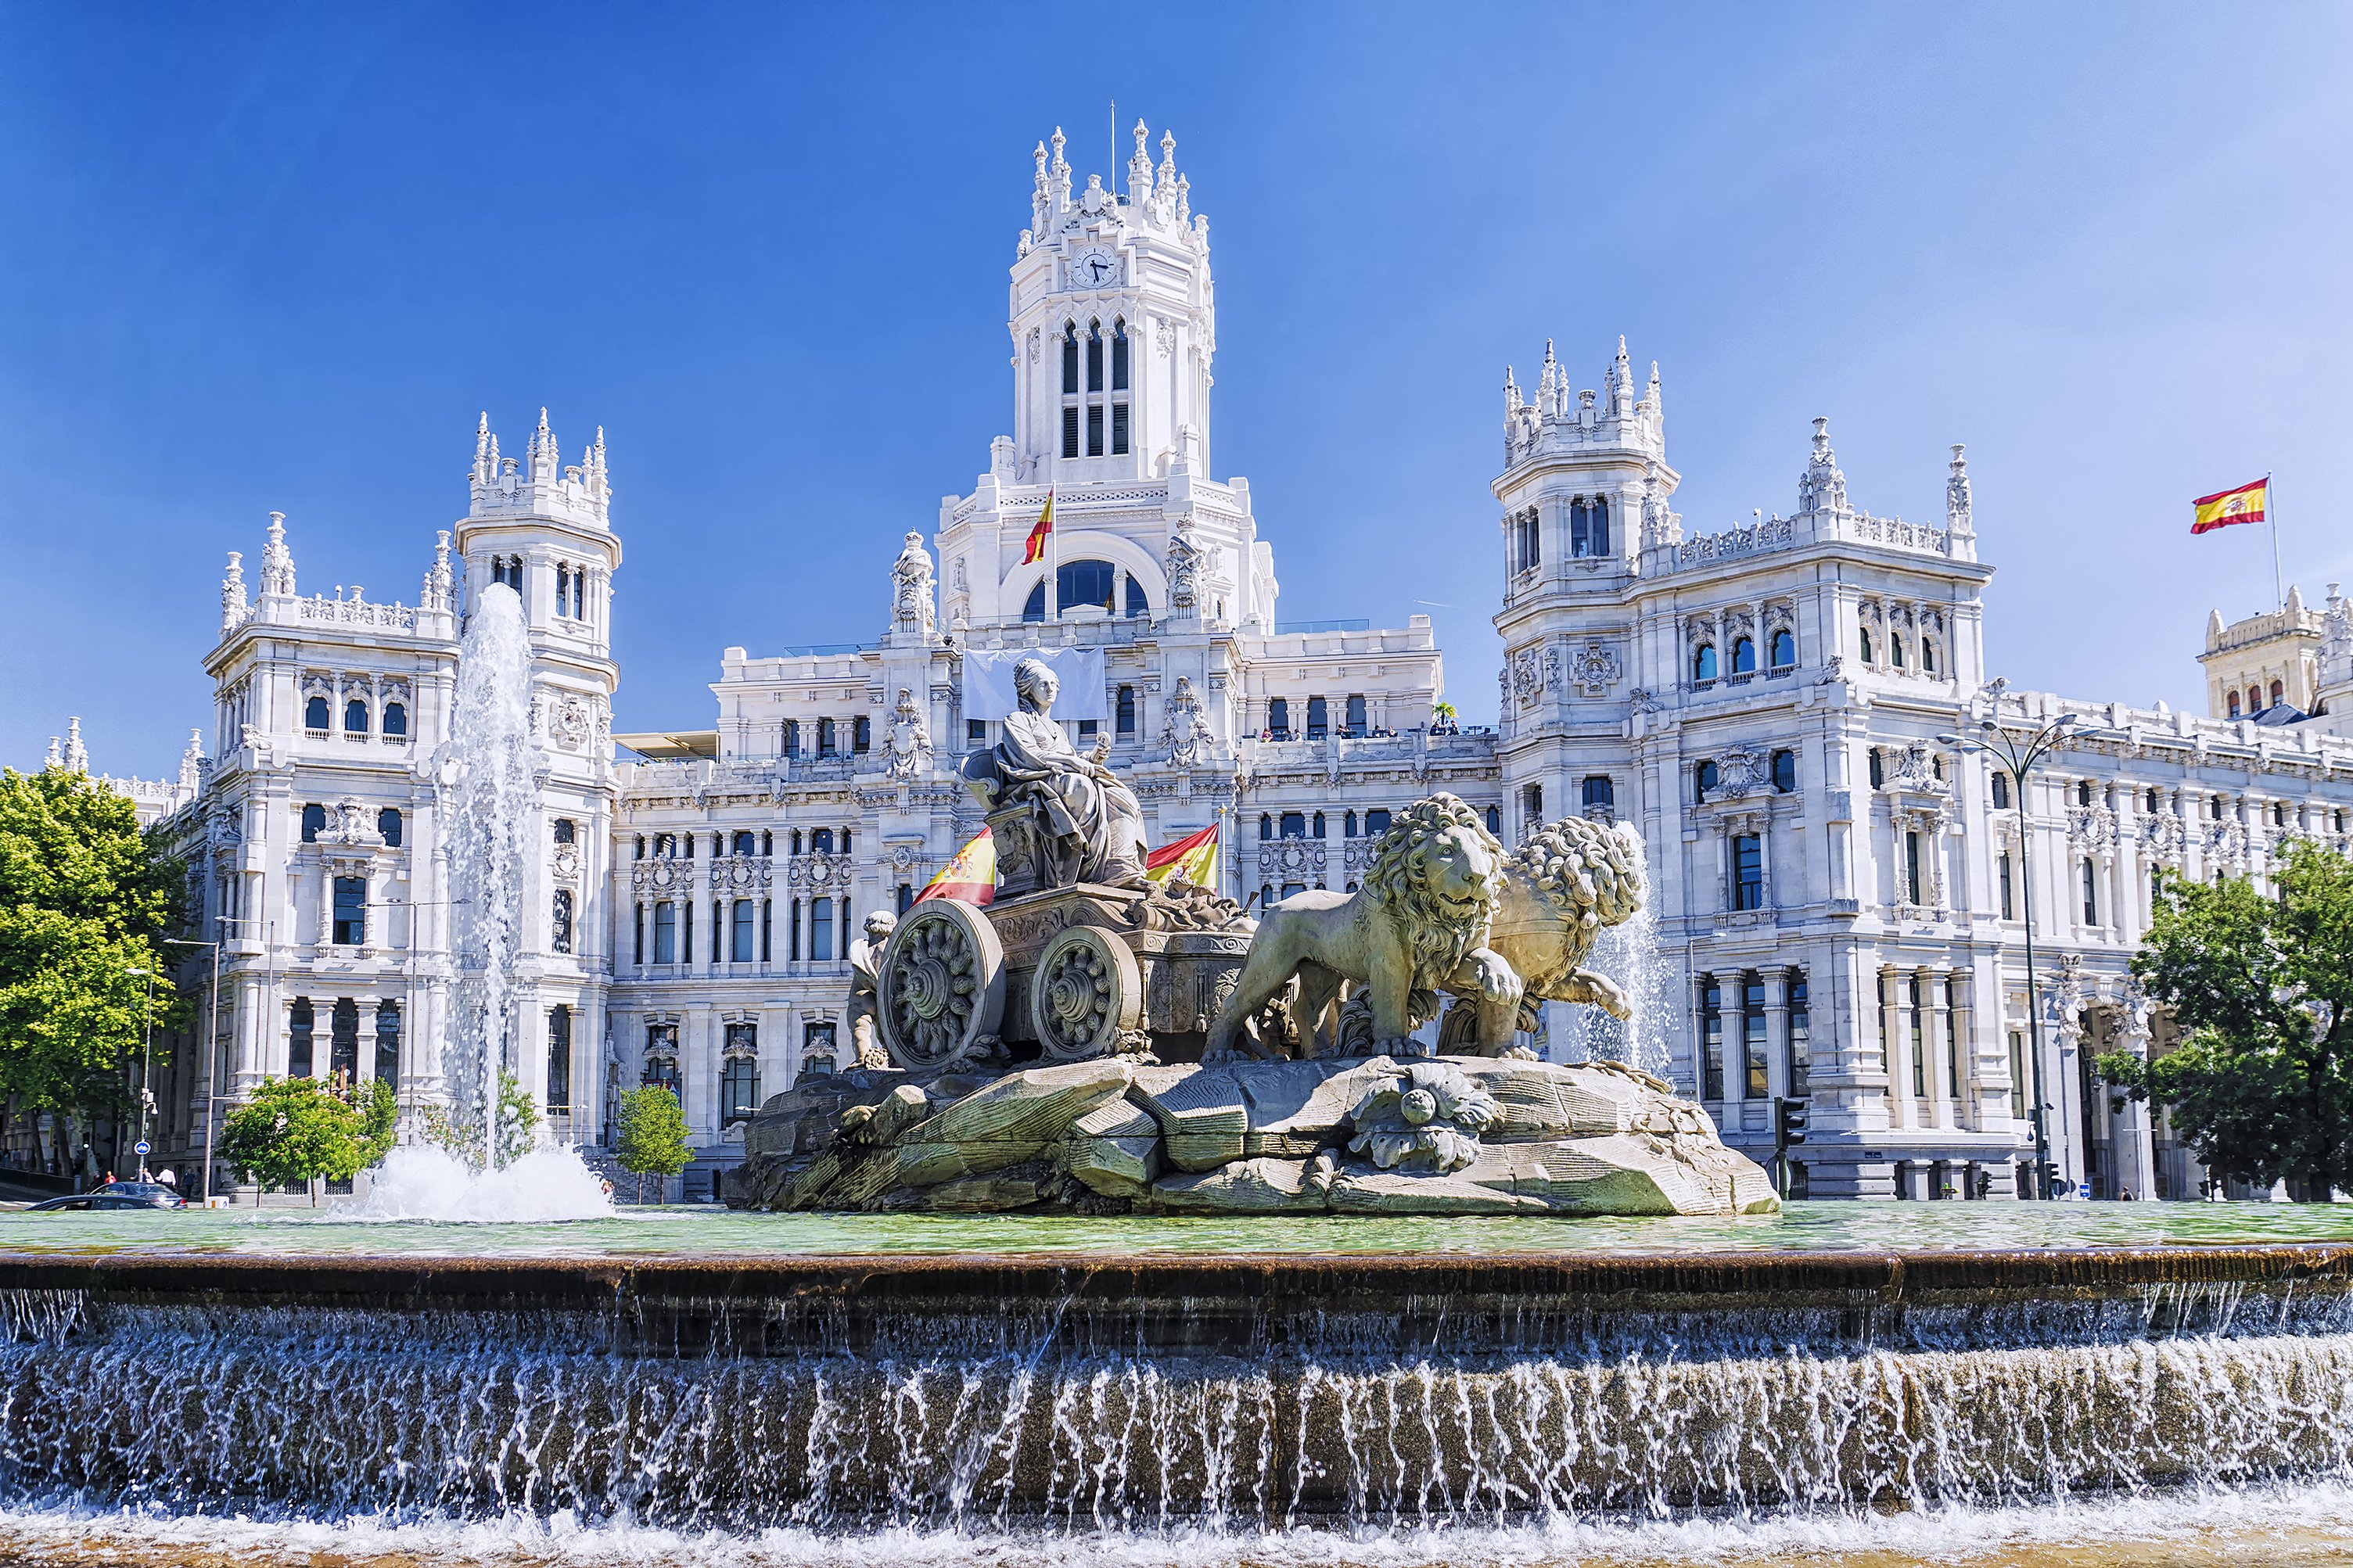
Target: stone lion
[1418, 925]
[1571, 879]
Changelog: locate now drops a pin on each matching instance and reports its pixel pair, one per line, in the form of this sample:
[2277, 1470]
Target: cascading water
[488, 795]
[1629, 954]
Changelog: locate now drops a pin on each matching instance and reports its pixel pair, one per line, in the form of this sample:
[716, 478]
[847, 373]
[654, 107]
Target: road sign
[141, 1147]
[2083, 1189]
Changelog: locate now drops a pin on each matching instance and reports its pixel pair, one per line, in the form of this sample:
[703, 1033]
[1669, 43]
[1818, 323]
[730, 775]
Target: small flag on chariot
[971, 876]
[1192, 858]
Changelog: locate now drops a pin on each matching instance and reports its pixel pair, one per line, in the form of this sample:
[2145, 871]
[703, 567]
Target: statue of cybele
[1061, 819]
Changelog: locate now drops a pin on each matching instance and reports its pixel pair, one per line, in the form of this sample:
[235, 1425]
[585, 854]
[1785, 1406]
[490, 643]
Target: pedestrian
[168, 1178]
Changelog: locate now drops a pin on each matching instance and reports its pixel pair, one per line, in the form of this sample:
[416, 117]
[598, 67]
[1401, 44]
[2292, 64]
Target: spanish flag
[971, 876]
[1037, 545]
[1192, 858]
[2223, 508]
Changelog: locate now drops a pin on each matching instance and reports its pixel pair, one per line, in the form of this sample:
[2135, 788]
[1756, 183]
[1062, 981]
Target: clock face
[1094, 270]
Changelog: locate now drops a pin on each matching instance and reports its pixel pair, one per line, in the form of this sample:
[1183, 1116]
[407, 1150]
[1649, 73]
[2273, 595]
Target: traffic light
[2053, 1179]
[1790, 1123]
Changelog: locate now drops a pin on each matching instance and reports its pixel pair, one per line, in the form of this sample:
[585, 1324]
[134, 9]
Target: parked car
[116, 1195]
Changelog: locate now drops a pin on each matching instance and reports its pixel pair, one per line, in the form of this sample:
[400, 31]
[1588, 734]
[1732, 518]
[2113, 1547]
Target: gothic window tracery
[316, 714]
[1744, 656]
[355, 717]
[1703, 662]
[1783, 650]
[396, 720]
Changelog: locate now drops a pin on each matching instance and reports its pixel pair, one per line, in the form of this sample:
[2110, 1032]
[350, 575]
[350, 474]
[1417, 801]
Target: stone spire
[486, 447]
[597, 486]
[1548, 384]
[1041, 197]
[54, 760]
[544, 459]
[1510, 394]
[1139, 170]
[1622, 384]
[192, 761]
[277, 561]
[1957, 498]
[1058, 185]
[233, 605]
[439, 583]
[77, 755]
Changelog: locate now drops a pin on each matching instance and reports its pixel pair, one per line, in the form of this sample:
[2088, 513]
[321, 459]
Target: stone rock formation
[1369, 1135]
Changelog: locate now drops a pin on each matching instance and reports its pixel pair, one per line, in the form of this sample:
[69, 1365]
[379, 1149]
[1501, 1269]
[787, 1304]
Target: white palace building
[1840, 896]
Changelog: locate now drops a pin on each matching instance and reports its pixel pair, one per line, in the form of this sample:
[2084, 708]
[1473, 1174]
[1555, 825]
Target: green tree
[461, 1137]
[84, 901]
[2262, 985]
[294, 1128]
[652, 1136]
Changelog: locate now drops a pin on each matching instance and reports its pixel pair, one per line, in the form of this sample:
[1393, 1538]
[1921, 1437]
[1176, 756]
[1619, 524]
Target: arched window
[2234, 705]
[1349, 825]
[1294, 824]
[2152, 801]
[1123, 713]
[2083, 792]
[1265, 825]
[559, 923]
[2254, 699]
[1119, 384]
[1784, 649]
[1319, 824]
[1744, 656]
[820, 841]
[387, 1043]
[1878, 769]
[388, 826]
[1895, 652]
[395, 720]
[1785, 772]
[1085, 582]
[1094, 385]
[1703, 662]
[1377, 821]
[1033, 608]
[1928, 657]
[2279, 693]
[1495, 820]
[1703, 780]
[745, 844]
[665, 846]
[314, 823]
[1138, 606]
[316, 714]
[1870, 655]
[1070, 407]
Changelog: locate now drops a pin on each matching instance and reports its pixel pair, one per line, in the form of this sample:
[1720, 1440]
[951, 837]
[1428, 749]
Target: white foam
[418, 1181]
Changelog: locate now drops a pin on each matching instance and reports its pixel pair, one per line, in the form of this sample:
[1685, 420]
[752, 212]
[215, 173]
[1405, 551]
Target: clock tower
[1114, 325]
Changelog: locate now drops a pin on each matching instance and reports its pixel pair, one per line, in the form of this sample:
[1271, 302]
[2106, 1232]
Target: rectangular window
[665, 932]
[1123, 713]
[1912, 868]
[1752, 1023]
[1089, 728]
[1710, 1018]
[1278, 717]
[793, 935]
[1094, 361]
[638, 938]
[1919, 1043]
[2001, 877]
[1356, 715]
[559, 1058]
[741, 936]
[1070, 431]
[1887, 1031]
[821, 929]
[351, 910]
[1801, 1038]
[2019, 1099]
[1748, 871]
[1119, 360]
[1319, 718]
[301, 1021]
[1095, 430]
[559, 921]
[1070, 365]
[387, 1043]
[2090, 894]
[975, 731]
[861, 735]
[686, 931]
[1119, 429]
[1953, 1039]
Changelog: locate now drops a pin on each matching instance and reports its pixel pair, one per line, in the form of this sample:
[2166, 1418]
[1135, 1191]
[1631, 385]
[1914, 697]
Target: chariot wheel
[941, 985]
[1086, 993]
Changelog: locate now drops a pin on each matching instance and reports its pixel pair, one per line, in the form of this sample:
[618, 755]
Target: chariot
[1059, 976]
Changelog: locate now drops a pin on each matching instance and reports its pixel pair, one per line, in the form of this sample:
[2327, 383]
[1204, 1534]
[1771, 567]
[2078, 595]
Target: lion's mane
[1587, 876]
[1438, 935]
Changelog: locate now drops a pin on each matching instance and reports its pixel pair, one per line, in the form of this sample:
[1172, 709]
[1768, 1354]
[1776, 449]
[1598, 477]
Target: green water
[720, 1233]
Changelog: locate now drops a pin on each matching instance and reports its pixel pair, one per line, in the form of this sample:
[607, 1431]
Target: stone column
[1777, 1031]
[1936, 1042]
[1903, 1064]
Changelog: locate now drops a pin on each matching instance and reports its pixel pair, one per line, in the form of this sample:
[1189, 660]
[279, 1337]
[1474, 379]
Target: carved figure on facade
[440, 582]
[1069, 816]
[234, 609]
[908, 738]
[1594, 668]
[1528, 675]
[1742, 771]
[865, 965]
[570, 729]
[1915, 771]
[1185, 731]
[911, 579]
[1184, 565]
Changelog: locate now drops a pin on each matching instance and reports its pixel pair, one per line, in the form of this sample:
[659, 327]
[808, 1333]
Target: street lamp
[146, 1065]
[212, 1044]
[2020, 756]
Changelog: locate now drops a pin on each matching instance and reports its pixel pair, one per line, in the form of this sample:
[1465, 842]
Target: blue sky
[278, 257]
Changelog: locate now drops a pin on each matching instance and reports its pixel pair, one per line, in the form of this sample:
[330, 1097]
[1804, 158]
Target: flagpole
[2271, 511]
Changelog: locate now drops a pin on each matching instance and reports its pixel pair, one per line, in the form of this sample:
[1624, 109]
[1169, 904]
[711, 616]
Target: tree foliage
[84, 901]
[294, 1128]
[461, 1136]
[651, 1139]
[2262, 1086]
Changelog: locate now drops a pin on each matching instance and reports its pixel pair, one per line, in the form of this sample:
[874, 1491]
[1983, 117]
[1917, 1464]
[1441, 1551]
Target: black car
[116, 1195]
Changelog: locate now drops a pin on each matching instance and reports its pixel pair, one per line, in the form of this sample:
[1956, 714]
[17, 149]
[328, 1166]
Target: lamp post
[146, 1061]
[2020, 756]
[212, 1044]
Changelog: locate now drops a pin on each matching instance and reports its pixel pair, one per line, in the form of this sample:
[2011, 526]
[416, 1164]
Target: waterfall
[488, 793]
[318, 1411]
[1629, 954]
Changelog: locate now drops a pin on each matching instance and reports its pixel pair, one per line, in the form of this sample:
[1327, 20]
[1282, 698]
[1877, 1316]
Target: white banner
[988, 682]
